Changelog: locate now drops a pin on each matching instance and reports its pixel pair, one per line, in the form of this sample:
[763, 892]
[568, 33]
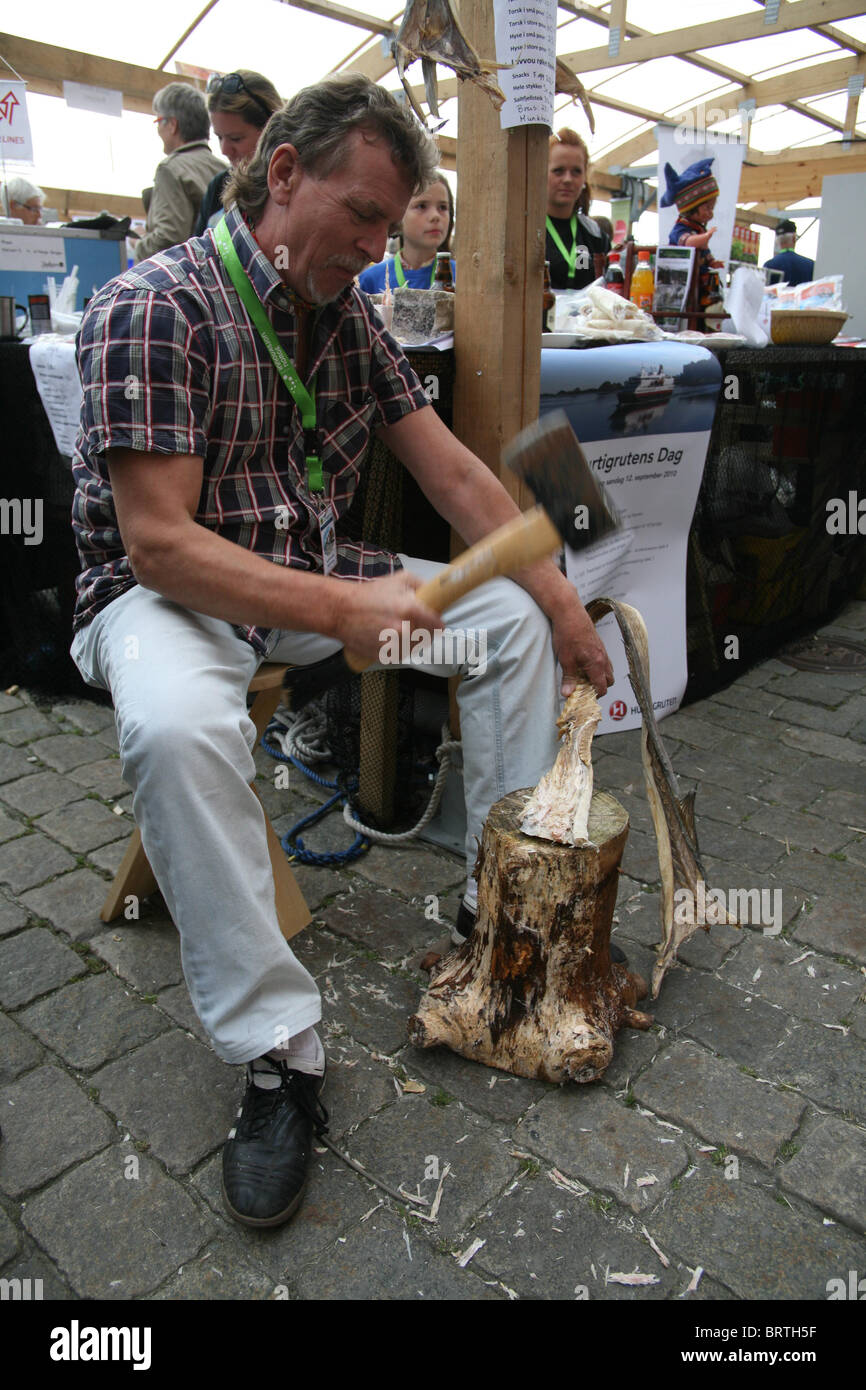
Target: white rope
[443, 758]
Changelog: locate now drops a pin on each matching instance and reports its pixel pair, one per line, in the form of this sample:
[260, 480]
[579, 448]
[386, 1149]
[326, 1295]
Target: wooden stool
[135, 877]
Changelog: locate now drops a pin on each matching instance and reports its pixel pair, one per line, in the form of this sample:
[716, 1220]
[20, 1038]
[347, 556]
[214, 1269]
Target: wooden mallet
[572, 509]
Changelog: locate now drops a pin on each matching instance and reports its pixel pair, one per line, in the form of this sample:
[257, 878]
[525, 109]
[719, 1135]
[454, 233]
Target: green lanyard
[285, 366]
[401, 275]
[570, 257]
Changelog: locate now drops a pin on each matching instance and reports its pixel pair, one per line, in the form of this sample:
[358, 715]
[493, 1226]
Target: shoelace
[261, 1103]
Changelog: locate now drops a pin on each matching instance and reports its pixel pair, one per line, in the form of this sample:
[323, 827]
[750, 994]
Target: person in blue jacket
[795, 268]
[426, 228]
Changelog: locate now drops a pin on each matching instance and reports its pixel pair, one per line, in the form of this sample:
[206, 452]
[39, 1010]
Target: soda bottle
[444, 280]
[548, 303]
[614, 279]
[643, 283]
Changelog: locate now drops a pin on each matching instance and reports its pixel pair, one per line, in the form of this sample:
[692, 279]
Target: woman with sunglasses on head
[240, 105]
[426, 228]
[573, 238]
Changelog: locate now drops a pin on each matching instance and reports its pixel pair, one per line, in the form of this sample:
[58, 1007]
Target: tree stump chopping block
[533, 991]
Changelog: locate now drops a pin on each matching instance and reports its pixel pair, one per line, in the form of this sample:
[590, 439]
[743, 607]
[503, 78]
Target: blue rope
[291, 842]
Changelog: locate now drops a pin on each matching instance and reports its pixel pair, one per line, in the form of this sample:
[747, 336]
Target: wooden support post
[500, 257]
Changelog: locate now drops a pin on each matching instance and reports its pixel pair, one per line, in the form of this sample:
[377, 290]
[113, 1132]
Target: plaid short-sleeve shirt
[171, 364]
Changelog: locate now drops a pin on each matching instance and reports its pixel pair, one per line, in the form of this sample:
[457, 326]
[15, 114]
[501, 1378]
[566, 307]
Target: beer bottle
[548, 303]
[443, 280]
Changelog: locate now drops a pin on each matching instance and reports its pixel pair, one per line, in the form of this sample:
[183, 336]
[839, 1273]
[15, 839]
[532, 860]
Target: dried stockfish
[570, 84]
[558, 809]
[430, 31]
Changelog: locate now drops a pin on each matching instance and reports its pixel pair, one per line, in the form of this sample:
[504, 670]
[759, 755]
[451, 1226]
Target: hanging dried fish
[559, 807]
[569, 84]
[430, 31]
[673, 815]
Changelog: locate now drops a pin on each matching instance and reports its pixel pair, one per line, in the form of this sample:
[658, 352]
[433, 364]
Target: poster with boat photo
[643, 413]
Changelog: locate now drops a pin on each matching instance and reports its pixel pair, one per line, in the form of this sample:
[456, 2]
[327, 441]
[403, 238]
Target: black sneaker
[266, 1155]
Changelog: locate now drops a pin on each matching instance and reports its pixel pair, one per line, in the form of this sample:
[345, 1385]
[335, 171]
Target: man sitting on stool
[210, 475]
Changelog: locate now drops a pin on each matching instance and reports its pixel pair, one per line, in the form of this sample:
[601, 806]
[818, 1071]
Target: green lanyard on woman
[570, 257]
[401, 275]
[305, 402]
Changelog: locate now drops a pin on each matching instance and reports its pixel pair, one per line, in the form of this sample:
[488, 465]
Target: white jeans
[179, 682]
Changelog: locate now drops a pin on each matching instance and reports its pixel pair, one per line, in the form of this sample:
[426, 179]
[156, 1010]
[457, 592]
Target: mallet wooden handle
[520, 542]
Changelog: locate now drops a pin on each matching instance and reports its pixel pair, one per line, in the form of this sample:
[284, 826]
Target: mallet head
[548, 458]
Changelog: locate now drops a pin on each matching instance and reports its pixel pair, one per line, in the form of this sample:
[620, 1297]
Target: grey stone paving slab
[773, 755]
[217, 1276]
[815, 988]
[388, 1259]
[632, 1052]
[48, 1124]
[63, 752]
[31, 1264]
[589, 1135]
[357, 1085]
[411, 1142]
[334, 1201]
[417, 869]
[718, 1102]
[84, 826]
[104, 778]
[820, 687]
[806, 832]
[86, 715]
[718, 803]
[735, 1024]
[546, 1243]
[92, 1021]
[800, 788]
[32, 963]
[110, 857]
[483, 1089]
[724, 876]
[19, 1052]
[10, 1240]
[10, 828]
[681, 996]
[107, 737]
[31, 860]
[15, 763]
[743, 696]
[23, 724]
[146, 953]
[835, 926]
[825, 745]
[381, 922]
[752, 852]
[176, 1002]
[71, 903]
[710, 769]
[174, 1095]
[714, 1223]
[695, 731]
[115, 1236]
[40, 792]
[359, 996]
[820, 874]
[8, 702]
[640, 859]
[838, 720]
[707, 949]
[825, 1065]
[318, 885]
[830, 1171]
[12, 917]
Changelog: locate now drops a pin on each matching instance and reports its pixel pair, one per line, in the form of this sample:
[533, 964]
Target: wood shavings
[434, 1210]
[706, 1148]
[625, 1176]
[633, 1280]
[804, 955]
[647, 1181]
[837, 1027]
[567, 1184]
[406, 1239]
[372, 1211]
[470, 1252]
[667, 1124]
[757, 975]
[661, 1254]
[413, 1088]
[695, 1279]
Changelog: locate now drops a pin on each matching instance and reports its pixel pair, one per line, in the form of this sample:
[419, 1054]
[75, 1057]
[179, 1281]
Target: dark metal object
[548, 458]
[830, 654]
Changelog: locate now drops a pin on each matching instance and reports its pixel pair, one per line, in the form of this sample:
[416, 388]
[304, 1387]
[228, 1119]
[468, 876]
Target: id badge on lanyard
[328, 536]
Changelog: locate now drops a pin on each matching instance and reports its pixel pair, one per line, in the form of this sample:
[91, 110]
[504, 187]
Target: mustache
[353, 265]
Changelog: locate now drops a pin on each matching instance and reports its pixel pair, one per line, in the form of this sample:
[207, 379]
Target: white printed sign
[16, 142]
[103, 100]
[53, 363]
[33, 253]
[526, 38]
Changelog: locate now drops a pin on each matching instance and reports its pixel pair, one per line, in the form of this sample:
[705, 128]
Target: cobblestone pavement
[722, 1155]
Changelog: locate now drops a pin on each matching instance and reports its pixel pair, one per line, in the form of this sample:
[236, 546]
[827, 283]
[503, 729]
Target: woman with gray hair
[172, 205]
[22, 199]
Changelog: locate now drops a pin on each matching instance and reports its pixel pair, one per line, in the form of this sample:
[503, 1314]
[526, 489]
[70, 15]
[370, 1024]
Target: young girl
[427, 226]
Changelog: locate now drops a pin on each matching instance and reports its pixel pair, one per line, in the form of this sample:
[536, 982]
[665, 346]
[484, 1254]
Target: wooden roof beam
[328, 10]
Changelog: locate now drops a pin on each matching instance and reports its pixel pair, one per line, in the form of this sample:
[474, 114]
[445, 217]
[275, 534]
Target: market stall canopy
[797, 67]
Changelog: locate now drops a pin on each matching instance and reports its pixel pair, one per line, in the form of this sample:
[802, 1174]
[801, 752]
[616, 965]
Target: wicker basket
[815, 326]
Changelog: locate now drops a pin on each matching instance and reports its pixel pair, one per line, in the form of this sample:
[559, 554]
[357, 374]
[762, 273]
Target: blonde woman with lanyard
[426, 228]
[573, 238]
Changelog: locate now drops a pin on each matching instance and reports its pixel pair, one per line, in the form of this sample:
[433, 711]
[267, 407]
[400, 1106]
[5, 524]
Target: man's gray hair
[17, 190]
[187, 106]
[318, 121]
